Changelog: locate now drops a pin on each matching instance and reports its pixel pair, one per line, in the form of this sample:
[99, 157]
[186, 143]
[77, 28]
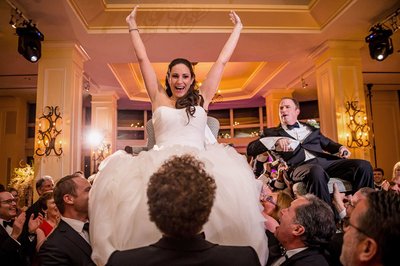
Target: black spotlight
[379, 42]
[29, 43]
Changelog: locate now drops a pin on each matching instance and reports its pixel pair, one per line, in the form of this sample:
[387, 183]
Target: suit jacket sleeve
[329, 145]
[256, 147]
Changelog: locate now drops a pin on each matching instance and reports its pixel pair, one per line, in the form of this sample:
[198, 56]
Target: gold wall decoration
[49, 131]
[357, 125]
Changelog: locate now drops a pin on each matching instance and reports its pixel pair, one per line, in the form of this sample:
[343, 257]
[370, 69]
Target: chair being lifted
[296, 186]
[212, 123]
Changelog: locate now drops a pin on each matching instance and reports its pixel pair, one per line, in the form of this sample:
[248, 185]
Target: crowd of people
[192, 201]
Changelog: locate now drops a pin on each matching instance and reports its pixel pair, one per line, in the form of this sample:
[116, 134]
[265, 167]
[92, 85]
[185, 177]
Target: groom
[311, 157]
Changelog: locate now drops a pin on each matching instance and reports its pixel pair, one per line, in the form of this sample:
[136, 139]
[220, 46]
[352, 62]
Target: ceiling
[274, 50]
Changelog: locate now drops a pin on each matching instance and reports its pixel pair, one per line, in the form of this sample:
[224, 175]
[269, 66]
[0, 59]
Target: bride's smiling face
[180, 80]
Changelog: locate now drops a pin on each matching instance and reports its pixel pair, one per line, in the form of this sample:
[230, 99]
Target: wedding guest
[15, 249]
[14, 192]
[273, 203]
[51, 218]
[305, 227]
[69, 243]
[344, 206]
[43, 184]
[187, 192]
[372, 235]
[378, 178]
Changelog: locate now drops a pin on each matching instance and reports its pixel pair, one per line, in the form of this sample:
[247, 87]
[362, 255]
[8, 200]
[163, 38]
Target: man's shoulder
[235, 253]
[310, 256]
[272, 131]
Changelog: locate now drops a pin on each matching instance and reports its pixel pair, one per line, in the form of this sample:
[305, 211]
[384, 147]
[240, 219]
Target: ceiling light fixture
[30, 37]
[379, 41]
[29, 42]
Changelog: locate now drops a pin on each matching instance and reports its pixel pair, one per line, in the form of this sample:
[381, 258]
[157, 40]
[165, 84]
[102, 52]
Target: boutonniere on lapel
[313, 123]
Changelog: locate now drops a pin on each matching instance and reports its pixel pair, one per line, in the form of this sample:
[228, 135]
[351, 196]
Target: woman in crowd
[273, 203]
[118, 212]
[393, 183]
[51, 218]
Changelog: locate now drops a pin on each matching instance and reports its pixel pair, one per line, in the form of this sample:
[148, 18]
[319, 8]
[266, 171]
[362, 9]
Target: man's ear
[298, 229]
[297, 111]
[368, 249]
[68, 199]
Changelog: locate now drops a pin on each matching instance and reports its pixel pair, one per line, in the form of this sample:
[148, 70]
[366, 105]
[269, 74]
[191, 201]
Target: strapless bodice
[173, 127]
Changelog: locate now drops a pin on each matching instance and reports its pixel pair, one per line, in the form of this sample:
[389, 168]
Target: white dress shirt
[77, 226]
[299, 134]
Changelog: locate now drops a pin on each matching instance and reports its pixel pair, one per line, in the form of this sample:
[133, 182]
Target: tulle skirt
[118, 209]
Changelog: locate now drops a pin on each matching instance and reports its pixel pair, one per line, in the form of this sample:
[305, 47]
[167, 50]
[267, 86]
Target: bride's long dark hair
[192, 97]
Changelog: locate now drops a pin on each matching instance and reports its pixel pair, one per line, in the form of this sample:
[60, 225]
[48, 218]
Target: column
[104, 121]
[60, 84]
[339, 79]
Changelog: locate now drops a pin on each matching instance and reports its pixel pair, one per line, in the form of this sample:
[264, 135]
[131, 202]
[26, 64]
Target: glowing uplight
[94, 138]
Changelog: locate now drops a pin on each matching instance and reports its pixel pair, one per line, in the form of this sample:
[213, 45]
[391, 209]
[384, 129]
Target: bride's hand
[235, 19]
[131, 18]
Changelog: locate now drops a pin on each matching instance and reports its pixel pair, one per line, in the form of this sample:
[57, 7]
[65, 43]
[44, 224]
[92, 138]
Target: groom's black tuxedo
[65, 246]
[316, 172]
[315, 143]
[177, 252]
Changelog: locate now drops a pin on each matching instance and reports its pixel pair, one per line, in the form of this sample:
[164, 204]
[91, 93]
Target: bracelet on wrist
[133, 29]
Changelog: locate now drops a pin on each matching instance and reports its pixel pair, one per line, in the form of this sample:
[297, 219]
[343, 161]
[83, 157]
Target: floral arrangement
[22, 180]
[313, 123]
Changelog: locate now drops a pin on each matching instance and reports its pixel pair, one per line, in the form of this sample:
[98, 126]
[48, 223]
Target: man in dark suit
[69, 243]
[305, 227]
[43, 184]
[372, 234]
[311, 157]
[14, 248]
[180, 197]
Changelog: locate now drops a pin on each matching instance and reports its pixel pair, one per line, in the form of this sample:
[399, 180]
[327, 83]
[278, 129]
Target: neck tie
[283, 252]
[290, 127]
[8, 223]
[86, 227]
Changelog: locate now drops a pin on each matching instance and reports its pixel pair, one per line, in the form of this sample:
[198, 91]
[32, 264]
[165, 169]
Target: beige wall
[386, 115]
[13, 122]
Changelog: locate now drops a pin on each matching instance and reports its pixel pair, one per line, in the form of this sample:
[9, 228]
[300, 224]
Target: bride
[118, 212]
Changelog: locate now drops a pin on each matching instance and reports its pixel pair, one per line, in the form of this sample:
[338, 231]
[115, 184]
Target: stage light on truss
[379, 42]
[29, 42]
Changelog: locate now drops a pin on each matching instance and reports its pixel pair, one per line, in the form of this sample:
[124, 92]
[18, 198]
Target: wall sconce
[48, 132]
[103, 150]
[357, 124]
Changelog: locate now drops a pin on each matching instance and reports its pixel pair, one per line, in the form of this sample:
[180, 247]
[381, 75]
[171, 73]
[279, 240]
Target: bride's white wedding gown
[118, 210]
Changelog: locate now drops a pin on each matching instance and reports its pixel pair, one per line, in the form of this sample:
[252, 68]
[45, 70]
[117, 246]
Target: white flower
[313, 123]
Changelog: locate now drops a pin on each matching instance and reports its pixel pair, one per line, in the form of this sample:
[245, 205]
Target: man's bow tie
[8, 223]
[283, 252]
[290, 127]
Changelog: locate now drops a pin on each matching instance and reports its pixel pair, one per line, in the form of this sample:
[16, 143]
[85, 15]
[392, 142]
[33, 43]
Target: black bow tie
[8, 223]
[86, 227]
[290, 127]
[283, 252]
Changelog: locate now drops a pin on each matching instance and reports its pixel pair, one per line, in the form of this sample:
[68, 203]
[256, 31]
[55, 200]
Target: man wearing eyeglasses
[372, 234]
[13, 247]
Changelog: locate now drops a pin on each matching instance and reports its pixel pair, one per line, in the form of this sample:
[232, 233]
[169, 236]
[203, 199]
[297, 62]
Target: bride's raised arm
[151, 82]
[210, 85]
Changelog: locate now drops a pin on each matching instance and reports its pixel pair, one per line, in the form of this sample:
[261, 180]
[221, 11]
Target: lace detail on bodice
[171, 127]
